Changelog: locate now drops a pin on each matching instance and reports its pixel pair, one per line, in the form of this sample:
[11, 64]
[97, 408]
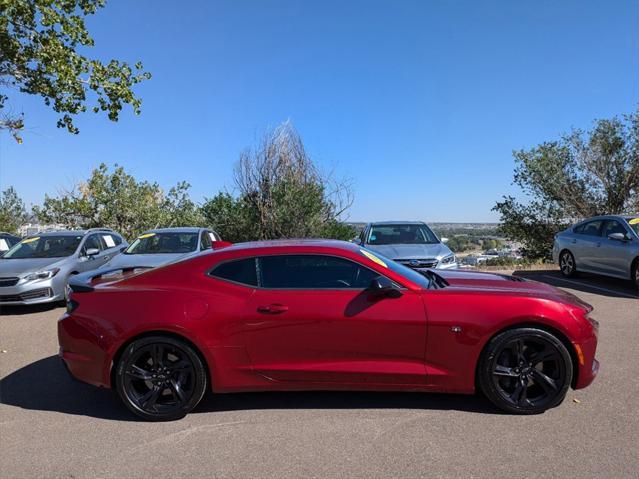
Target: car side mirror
[618, 237]
[384, 288]
[90, 252]
[123, 249]
[356, 240]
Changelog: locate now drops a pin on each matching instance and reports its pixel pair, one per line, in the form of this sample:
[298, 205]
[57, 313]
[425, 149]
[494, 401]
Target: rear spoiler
[81, 283]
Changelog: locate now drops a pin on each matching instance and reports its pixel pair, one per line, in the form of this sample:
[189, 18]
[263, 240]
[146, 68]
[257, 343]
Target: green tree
[281, 194]
[119, 201]
[42, 45]
[580, 175]
[12, 211]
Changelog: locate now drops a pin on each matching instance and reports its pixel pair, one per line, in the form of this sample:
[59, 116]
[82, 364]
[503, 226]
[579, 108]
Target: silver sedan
[607, 245]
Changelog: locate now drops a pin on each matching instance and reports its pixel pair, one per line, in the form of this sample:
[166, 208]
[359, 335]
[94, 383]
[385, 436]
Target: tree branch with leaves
[40, 54]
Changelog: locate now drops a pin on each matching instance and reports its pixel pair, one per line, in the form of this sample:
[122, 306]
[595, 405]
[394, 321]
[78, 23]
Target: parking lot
[54, 427]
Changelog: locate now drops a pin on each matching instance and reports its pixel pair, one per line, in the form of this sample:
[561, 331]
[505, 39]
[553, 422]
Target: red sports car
[322, 315]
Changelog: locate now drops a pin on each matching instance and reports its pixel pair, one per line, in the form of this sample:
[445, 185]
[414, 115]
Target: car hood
[411, 251]
[472, 281]
[17, 267]
[145, 260]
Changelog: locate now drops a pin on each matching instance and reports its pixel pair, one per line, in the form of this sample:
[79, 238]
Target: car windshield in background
[634, 224]
[405, 271]
[162, 243]
[44, 247]
[401, 234]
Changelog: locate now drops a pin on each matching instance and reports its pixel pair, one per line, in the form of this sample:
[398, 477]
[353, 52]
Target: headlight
[50, 273]
[448, 259]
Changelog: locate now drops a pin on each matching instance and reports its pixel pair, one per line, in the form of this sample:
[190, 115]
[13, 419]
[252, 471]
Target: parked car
[7, 240]
[412, 244]
[37, 269]
[160, 246]
[607, 245]
[322, 314]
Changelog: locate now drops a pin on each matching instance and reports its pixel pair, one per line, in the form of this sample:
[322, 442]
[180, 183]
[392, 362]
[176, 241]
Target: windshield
[400, 269]
[44, 247]
[401, 234]
[634, 224]
[161, 243]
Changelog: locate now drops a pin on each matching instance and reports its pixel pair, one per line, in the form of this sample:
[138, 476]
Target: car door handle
[272, 309]
[574, 241]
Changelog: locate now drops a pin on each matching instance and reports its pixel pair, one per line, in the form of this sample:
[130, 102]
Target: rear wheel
[567, 264]
[160, 378]
[525, 371]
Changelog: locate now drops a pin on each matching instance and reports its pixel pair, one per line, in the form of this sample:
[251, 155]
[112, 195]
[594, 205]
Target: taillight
[71, 306]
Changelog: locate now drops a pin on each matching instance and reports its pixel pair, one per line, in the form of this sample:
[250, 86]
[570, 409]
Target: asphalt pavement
[54, 427]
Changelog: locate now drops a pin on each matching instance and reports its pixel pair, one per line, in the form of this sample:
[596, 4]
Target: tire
[525, 371]
[567, 264]
[160, 378]
[635, 273]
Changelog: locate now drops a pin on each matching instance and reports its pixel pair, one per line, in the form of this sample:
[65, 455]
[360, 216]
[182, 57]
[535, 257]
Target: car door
[313, 320]
[111, 246]
[88, 263]
[585, 243]
[613, 256]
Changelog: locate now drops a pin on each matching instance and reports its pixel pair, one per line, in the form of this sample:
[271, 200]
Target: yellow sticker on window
[148, 235]
[634, 221]
[31, 240]
[372, 257]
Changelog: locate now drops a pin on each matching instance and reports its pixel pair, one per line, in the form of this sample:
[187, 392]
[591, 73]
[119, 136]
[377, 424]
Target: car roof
[61, 233]
[604, 217]
[178, 229]
[288, 243]
[390, 223]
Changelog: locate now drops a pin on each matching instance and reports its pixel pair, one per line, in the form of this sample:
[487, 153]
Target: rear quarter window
[241, 271]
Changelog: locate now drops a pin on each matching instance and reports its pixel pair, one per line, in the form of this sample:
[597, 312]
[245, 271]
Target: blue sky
[420, 103]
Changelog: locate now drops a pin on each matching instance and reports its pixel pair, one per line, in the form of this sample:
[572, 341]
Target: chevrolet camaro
[322, 315]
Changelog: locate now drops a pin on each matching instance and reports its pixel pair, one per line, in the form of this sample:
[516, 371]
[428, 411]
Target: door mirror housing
[89, 253]
[123, 249]
[618, 237]
[356, 241]
[383, 287]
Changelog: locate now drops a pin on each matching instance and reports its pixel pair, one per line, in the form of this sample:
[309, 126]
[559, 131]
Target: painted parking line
[588, 285]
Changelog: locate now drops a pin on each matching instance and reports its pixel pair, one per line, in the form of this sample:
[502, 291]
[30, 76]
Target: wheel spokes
[138, 373]
[547, 383]
[148, 400]
[505, 371]
[157, 355]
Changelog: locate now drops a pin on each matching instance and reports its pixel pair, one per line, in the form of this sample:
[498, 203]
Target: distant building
[30, 229]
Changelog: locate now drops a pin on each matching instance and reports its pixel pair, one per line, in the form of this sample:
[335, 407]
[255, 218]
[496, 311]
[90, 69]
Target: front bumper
[32, 292]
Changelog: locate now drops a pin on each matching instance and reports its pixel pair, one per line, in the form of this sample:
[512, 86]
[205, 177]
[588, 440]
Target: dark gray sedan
[607, 245]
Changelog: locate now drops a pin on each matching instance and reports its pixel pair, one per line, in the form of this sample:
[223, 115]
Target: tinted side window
[592, 228]
[240, 271]
[205, 241]
[313, 272]
[92, 241]
[613, 226]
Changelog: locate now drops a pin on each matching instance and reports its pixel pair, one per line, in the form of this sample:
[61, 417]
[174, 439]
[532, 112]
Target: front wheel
[525, 371]
[160, 378]
[635, 274]
[567, 264]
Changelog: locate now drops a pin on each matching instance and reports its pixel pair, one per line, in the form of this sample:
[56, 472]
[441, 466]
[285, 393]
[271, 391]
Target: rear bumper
[82, 352]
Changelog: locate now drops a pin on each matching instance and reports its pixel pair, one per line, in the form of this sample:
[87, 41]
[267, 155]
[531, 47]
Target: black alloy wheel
[567, 264]
[160, 378]
[525, 371]
[635, 273]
